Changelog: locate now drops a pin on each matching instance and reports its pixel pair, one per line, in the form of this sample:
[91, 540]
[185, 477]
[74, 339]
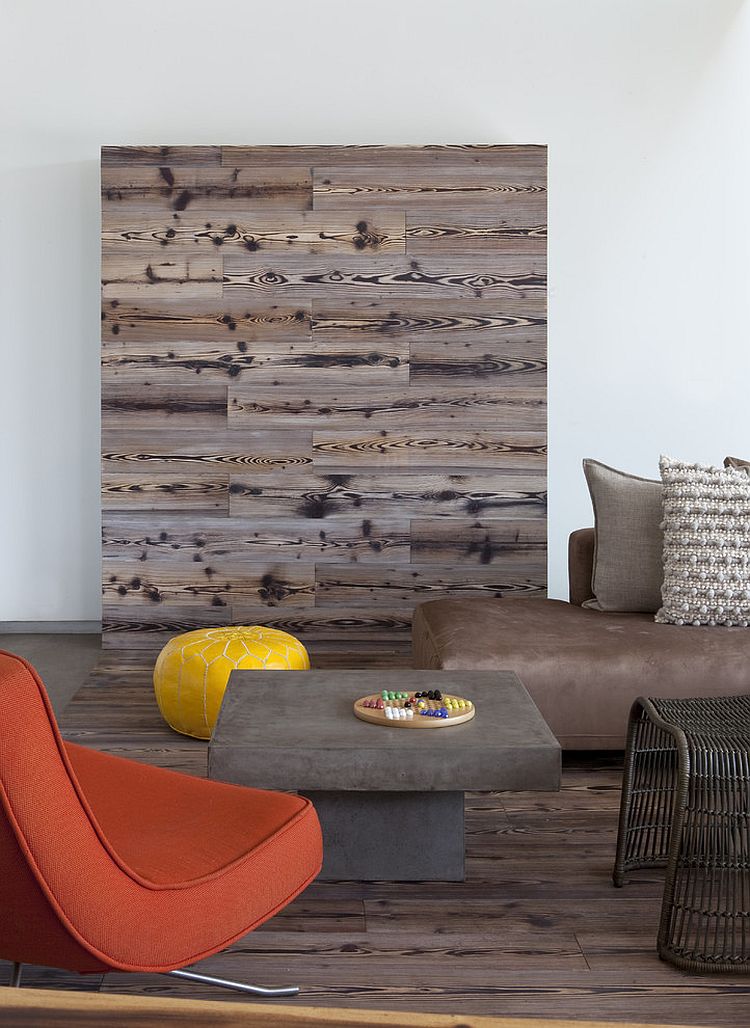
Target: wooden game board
[374, 706]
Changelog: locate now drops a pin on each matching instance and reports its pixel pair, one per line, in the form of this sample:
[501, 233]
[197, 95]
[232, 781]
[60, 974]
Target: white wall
[644, 105]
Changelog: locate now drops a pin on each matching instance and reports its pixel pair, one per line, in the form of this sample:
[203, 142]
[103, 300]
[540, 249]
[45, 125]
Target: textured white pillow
[706, 545]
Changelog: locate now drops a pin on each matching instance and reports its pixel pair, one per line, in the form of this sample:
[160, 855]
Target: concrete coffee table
[390, 801]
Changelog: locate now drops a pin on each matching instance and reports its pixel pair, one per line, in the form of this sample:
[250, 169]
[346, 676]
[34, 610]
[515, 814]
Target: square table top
[296, 730]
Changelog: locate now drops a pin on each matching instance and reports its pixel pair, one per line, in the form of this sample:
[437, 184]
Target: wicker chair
[686, 804]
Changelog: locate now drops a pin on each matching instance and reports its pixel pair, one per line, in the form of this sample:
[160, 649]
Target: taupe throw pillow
[736, 462]
[706, 545]
[628, 553]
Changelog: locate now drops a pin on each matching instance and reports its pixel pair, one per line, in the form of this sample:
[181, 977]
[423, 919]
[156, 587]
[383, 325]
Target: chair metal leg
[225, 983]
[15, 976]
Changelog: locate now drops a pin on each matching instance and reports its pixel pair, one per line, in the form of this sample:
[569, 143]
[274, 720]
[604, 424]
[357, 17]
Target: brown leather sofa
[582, 667]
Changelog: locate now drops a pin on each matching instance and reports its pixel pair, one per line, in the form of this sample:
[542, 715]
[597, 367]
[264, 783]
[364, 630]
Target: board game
[430, 709]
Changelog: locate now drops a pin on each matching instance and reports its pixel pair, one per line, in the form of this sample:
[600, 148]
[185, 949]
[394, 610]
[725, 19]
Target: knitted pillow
[706, 545]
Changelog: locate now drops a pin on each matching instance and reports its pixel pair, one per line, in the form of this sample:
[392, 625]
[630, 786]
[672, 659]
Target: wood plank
[135, 626]
[225, 321]
[228, 543]
[454, 541]
[136, 451]
[373, 492]
[126, 156]
[522, 361]
[150, 583]
[388, 408]
[384, 277]
[139, 401]
[520, 573]
[35, 1007]
[499, 156]
[473, 187]
[517, 450]
[285, 231]
[156, 274]
[274, 362]
[486, 322]
[175, 492]
[441, 229]
[148, 189]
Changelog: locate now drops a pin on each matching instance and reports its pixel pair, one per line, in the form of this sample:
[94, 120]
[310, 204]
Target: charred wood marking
[402, 323]
[288, 232]
[413, 279]
[484, 449]
[416, 494]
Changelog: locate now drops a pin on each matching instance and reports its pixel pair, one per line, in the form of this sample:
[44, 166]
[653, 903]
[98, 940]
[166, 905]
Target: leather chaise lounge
[583, 668]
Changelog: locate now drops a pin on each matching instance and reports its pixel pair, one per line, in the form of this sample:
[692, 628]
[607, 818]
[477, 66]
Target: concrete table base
[392, 836]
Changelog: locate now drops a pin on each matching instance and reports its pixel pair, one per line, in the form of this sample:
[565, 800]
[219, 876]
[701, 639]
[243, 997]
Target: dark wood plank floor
[536, 930]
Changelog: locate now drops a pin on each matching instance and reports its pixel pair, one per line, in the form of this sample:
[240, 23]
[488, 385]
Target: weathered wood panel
[480, 321]
[408, 407]
[377, 278]
[127, 156]
[473, 187]
[487, 541]
[323, 385]
[157, 190]
[224, 321]
[522, 450]
[178, 493]
[225, 543]
[193, 403]
[438, 231]
[523, 573]
[389, 493]
[522, 362]
[284, 231]
[503, 158]
[152, 272]
[150, 583]
[353, 362]
[134, 451]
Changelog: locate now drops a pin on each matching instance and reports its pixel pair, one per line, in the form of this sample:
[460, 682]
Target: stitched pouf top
[192, 671]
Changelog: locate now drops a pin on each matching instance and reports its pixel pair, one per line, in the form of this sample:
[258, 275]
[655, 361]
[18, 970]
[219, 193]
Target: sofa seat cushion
[583, 668]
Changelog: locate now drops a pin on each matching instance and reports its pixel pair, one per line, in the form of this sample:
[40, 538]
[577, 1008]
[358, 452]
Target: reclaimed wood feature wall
[323, 385]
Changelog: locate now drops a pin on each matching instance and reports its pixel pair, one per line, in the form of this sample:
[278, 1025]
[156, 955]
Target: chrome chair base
[225, 983]
[192, 976]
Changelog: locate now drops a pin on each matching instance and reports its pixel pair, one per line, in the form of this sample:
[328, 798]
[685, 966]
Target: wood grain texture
[166, 492]
[323, 385]
[352, 493]
[386, 277]
[159, 190]
[273, 362]
[408, 407]
[226, 543]
[197, 230]
[481, 321]
[204, 321]
[523, 450]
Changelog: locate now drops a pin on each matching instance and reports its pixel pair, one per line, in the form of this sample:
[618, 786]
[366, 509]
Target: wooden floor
[536, 930]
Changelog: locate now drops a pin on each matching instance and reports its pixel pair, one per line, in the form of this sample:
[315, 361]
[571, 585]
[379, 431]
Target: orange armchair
[107, 864]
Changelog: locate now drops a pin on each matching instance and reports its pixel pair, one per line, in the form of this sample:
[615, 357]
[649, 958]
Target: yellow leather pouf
[193, 669]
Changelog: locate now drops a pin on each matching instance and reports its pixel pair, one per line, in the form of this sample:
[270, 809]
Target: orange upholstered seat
[109, 864]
